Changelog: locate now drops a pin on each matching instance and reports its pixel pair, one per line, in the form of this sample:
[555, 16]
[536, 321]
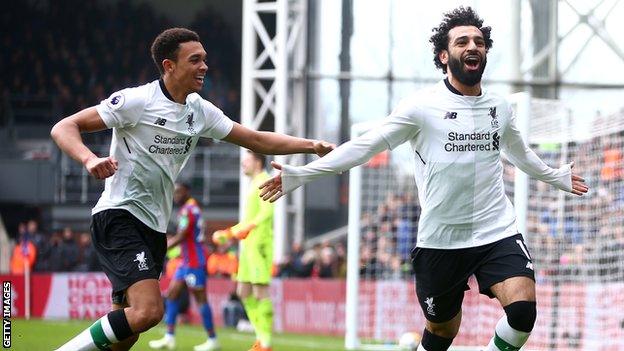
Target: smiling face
[466, 54]
[189, 70]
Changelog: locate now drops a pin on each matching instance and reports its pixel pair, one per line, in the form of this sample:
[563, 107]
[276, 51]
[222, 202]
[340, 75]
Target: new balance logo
[430, 306]
[450, 115]
[140, 257]
[160, 121]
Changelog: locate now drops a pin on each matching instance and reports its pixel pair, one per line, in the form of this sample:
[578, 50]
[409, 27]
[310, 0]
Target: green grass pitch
[41, 335]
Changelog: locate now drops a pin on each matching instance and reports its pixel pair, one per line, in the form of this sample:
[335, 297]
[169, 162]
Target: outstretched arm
[524, 158]
[346, 156]
[66, 134]
[271, 143]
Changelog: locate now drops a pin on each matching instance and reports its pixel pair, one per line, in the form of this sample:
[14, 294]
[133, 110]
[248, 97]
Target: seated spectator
[233, 311]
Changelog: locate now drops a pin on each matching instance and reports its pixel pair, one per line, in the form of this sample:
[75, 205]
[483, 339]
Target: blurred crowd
[325, 260]
[581, 239]
[388, 236]
[77, 53]
[60, 251]
[64, 250]
[570, 238]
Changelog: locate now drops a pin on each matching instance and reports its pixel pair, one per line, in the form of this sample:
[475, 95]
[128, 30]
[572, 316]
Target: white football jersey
[153, 137]
[457, 142]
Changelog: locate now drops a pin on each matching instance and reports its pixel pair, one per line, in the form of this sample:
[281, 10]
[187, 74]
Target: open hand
[271, 190]
[322, 148]
[101, 167]
[578, 184]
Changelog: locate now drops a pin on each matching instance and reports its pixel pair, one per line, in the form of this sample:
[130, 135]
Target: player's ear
[168, 65]
[443, 56]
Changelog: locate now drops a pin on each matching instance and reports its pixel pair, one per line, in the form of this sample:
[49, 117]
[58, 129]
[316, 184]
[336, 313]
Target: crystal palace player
[192, 271]
[467, 226]
[155, 128]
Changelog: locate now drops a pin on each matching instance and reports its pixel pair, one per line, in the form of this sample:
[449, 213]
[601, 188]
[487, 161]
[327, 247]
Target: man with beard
[467, 226]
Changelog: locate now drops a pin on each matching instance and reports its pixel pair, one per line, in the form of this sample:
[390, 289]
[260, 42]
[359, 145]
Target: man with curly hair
[457, 131]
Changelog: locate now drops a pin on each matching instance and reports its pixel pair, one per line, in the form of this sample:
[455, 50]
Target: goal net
[577, 243]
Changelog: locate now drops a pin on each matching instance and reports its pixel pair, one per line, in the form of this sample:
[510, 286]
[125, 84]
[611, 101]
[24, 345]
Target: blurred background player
[192, 271]
[255, 233]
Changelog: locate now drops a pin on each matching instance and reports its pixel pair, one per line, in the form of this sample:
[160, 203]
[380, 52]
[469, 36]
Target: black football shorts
[128, 250]
[442, 275]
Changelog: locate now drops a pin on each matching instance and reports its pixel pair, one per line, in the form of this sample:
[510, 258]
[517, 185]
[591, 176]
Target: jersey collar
[455, 91]
[161, 82]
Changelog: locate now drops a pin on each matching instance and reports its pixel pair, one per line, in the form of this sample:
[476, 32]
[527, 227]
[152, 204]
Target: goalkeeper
[255, 233]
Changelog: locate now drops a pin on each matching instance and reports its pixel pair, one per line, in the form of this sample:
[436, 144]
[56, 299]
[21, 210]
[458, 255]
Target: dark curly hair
[167, 44]
[461, 16]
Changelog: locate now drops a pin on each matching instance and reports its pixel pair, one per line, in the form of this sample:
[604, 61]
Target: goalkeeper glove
[239, 232]
[221, 237]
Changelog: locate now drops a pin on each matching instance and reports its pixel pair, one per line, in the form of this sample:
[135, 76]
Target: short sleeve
[218, 125]
[123, 108]
[183, 220]
[403, 124]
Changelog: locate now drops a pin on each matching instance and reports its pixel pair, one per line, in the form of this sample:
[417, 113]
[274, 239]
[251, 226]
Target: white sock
[508, 338]
[84, 341]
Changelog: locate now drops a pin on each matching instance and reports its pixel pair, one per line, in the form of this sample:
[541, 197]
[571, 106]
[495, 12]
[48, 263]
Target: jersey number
[523, 248]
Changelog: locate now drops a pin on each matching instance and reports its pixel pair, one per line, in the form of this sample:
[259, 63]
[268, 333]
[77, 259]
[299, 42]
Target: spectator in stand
[87, 259]
[56, 253]
[69, 251]
[612, 167]
[327, 263]
[368, 261]
[24, 253]
[341, 260]
[60, 38]
[42, 244]
[223, 262]
[294, 266]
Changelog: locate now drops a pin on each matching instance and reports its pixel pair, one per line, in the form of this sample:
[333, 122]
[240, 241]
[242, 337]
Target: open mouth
[472, 62]
[199, 79]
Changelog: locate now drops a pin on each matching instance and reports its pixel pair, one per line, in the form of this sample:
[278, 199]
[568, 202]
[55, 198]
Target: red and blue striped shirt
[190, 221]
